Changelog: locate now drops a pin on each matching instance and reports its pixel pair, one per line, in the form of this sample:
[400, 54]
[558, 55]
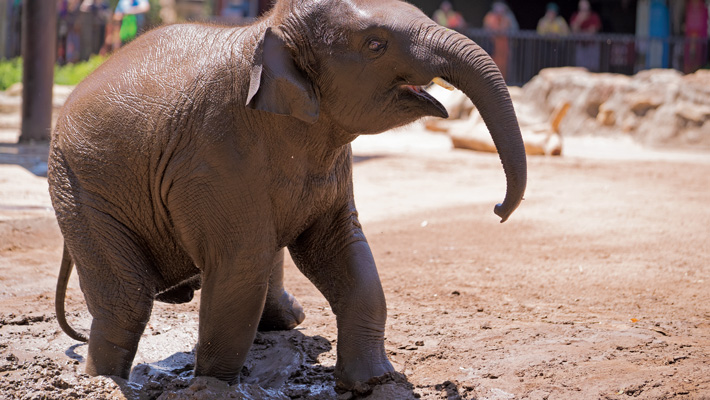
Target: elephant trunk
[468, 67]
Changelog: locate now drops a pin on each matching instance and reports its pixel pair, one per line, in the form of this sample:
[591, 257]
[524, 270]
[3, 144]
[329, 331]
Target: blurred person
[659, 30]
[586, 22]
[552, 22]
[551, 52]
[12, 43]
[500, 22]
[448, 17]
[68, 34]
[696, 35]
[514, 27]
[95, 14]
[132, 16]
[127, 22]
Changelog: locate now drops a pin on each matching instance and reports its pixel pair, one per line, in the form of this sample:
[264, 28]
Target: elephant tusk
[441, 82]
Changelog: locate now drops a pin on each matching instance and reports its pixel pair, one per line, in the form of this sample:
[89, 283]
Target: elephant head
[358, 67]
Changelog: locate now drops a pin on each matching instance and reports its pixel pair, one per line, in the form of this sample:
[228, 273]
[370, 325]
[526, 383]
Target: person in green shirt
[448, 17]
[552, 23]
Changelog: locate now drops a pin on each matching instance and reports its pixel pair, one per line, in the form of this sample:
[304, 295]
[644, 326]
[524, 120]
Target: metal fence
[521, 55]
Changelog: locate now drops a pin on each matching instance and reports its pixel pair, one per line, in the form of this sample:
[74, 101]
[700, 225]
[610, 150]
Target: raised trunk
[468, 67]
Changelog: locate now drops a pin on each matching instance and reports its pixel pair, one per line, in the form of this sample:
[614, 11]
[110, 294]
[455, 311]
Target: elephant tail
[62, 281]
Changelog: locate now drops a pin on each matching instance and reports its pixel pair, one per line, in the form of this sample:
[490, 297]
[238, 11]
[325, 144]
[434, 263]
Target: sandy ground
[596, 288]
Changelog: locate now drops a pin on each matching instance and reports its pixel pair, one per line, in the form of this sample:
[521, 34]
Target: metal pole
[39, 38]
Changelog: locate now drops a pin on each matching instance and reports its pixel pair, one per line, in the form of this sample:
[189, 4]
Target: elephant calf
[197, 153]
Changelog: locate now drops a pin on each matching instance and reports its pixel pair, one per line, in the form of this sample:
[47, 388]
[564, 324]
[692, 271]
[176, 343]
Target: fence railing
[521, 55]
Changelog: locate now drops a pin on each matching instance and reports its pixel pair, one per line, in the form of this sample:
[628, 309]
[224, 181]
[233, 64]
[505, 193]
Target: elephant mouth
[419, 92]
[415, 89]
[421, 89]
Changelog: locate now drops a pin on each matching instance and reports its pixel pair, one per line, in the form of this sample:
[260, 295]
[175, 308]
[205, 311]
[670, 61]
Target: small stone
[345, 396]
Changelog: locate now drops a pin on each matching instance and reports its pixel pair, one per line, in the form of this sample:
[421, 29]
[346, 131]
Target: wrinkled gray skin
[201, 152]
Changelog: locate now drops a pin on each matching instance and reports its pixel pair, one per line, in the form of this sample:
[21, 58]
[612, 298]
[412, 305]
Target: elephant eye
[376, 45]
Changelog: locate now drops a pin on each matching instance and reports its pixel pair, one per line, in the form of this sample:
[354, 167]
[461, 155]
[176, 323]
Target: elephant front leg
[231, 304]
[361, 313]
[281, 311]
[350, 283]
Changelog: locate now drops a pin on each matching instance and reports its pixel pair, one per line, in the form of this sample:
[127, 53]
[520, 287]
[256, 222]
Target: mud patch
[280, 365]
[277, 367]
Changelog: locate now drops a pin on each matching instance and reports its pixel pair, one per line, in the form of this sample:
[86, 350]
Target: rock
[606, 116]
[15, 90]
[10, 121]
[9, 104]
[11, 99]
[584, 91]
[60, 93]
[692, 113]
[346, 396]
[658, 107]
[640, 105]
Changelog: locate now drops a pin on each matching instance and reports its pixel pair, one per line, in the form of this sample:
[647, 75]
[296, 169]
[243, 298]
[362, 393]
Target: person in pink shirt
[696, 34]
[498, 22]
[586, 22]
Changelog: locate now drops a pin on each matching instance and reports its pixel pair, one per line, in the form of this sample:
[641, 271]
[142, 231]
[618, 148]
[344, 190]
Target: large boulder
[583, 91]
[658, 107]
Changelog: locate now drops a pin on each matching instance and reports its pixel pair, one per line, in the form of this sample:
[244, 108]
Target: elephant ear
[277, 85]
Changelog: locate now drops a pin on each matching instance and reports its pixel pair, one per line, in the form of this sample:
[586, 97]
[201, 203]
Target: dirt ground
[596, 288]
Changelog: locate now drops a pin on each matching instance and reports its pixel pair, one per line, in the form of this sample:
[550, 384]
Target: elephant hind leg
[112, 347]
[116, 282]
[281, 310]
[120, 314]
[120, 317]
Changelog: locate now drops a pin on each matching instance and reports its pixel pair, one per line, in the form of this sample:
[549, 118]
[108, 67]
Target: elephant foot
[361, 360]
[362, 389]
[111, 349]
[361, 375]
[281, 314]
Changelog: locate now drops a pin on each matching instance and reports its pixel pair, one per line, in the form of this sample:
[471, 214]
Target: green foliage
[70, 74]
[10, 72]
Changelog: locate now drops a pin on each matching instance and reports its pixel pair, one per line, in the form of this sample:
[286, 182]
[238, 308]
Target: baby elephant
[197, 153]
